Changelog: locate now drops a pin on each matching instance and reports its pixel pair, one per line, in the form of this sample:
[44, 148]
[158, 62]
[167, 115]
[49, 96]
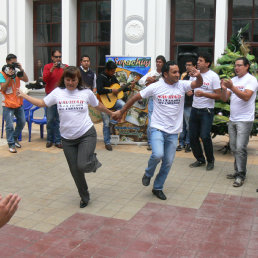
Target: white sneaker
[12, 149]
[17, 144]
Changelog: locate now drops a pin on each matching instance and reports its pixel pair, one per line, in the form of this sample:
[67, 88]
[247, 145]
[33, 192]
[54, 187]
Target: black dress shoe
[149, 147]
[232, 176]
[159, 194]
[210, 166]
[59, 145]
[83, 204]
[145, 180]
[108, 147]
[196, 164]
[188, 148]
[49, 144]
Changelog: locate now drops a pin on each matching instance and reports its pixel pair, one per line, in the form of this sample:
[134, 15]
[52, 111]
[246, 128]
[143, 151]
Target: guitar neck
[124, 86]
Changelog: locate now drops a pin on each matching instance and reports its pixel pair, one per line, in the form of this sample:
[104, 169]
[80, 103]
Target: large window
[94, 31]
[192, 26]
[241, 13]
[46, 31]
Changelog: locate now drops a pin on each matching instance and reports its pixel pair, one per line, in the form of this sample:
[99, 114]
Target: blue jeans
[163, 148]
[106, 120]
[184, 135]
[200, 127]
[239, 133]
[150, 110]
[53, 125]
[11, 133]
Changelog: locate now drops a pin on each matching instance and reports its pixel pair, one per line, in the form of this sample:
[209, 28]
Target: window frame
[230, 22]
[51, 45]
[174, 44]
[90, 44]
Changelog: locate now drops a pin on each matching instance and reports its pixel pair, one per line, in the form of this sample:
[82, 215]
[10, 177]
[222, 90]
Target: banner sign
[134, 126]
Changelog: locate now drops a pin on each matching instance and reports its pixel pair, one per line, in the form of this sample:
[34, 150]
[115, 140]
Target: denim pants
[150, 110]
[184, 135]
[200, 127]
[239, 133]
[53, 125]
[11, 133]
[106, 120]
[81, 158]
[163, 148]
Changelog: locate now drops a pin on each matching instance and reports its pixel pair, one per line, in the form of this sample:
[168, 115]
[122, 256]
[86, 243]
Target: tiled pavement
[204, 216]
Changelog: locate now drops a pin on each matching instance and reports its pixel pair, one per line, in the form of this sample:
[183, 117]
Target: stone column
[221, 28]
[69, 31]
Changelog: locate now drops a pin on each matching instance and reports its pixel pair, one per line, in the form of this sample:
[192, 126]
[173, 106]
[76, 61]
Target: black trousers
[81, 159]
[200, 124]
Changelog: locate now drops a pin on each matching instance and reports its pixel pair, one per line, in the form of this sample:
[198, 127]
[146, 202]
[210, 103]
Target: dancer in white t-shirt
[202, 113]
[77, 130]
[152, 77]
[242, 92]
[166, 121]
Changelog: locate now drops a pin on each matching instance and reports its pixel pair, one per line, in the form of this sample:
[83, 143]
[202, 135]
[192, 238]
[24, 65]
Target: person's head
[242, 66]
[85, 62]
[204, 62]
[170, 72]
[11, 58]
[110, 68]
[56, 56]
[39, 63]
[160, 61]
[190, 63]
[71, 79]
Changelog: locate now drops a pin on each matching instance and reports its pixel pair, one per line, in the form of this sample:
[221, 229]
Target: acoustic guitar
[109, 99]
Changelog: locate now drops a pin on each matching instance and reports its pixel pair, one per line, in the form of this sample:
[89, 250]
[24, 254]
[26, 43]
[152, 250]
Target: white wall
[20, 34]
[3, 32]
[221, 28]
[69, 31]
[140, 28]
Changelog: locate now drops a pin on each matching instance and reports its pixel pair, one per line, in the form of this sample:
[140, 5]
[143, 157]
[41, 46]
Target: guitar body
[109, 99]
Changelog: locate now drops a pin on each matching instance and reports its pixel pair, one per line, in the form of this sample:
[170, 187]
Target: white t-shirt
[142, 81]
[72, 106]
[168, 104]
[211, 82]
[241, 110]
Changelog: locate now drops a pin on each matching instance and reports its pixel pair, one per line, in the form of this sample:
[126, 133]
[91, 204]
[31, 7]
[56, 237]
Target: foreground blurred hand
[8, 207]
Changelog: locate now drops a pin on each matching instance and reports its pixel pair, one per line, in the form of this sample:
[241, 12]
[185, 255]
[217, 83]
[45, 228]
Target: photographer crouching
[10, 77]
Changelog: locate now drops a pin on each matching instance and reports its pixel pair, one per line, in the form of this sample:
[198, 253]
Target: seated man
[105, 80]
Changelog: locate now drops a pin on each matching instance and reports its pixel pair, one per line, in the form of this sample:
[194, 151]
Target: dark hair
[71, 72]
[166, 66]
[207, 57]
[162, 58]
[85, 56]
[192, 60]
[55, 50]
[245, 61]
[110, 65]
[10, 56]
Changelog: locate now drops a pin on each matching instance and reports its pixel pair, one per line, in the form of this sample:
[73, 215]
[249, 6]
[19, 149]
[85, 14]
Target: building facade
[174, 28]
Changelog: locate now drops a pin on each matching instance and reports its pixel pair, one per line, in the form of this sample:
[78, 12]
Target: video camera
[36, 85]
[15, 67]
